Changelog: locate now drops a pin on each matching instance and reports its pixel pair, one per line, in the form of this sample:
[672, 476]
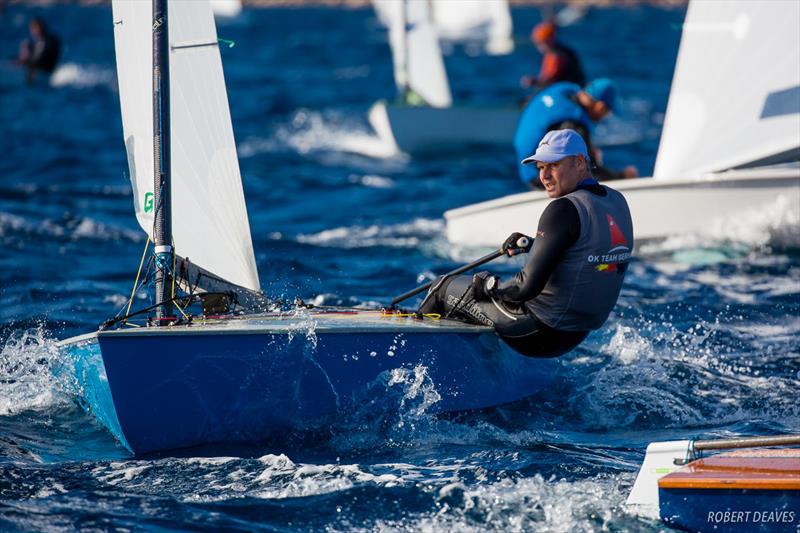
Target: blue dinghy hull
[244, 380]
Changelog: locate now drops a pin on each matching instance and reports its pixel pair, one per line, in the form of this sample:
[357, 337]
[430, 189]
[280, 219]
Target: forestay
[209, 216]
[735, 97]
[418, 64]
[485, 21]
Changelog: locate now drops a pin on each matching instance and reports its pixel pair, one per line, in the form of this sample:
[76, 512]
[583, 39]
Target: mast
[404, 36]
[162, 225]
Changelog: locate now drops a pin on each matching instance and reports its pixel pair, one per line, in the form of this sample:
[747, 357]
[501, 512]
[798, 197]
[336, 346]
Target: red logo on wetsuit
[617, 238]
[619, 251]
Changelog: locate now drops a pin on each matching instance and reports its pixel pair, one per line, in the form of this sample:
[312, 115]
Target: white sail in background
[485, 21]
[417, 58]
[735, 96]
[209, 216]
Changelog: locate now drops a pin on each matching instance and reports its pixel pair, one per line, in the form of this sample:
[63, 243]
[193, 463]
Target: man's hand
[483, 286]
[517, 243]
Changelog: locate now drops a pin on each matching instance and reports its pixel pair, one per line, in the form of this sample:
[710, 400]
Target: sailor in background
[559, 62]
[40, 52]
[566, 106]
[574, 274]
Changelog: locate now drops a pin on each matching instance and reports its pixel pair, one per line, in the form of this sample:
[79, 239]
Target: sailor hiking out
[573, 277]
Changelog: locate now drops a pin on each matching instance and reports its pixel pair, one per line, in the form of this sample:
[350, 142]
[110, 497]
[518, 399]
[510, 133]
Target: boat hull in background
[246, 380]
[660, 208]
[420, 130]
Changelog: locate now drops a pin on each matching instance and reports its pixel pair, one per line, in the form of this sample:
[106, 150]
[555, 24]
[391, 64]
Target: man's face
[35, 28]
[563, 176]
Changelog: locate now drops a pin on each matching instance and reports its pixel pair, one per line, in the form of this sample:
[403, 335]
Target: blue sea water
[704, 341]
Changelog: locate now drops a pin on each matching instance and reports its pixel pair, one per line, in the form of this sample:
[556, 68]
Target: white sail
[209, 216]
[485, 21]
[417, 58]
[735, 97]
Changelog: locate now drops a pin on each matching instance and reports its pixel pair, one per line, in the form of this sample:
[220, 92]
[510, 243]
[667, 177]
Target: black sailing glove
[483, 286]
[517, 243]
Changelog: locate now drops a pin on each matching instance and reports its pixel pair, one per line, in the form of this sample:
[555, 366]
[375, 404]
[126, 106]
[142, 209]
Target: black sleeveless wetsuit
[569, 284]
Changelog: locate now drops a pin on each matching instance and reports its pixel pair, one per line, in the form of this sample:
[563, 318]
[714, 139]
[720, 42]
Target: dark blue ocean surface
[704, 341]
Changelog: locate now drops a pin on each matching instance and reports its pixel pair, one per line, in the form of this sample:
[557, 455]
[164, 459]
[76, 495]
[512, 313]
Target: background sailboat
[243, 375]
[425, 119]
[728, 119]
[486, 24]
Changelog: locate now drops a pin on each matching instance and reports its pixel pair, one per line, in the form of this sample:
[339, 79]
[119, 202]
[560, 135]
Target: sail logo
[148, 202]
[619, 252]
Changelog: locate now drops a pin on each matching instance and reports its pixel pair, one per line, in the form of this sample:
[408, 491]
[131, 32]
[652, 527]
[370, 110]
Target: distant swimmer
[40, 52]
[574, 274]
[565, 105]
[559, 62]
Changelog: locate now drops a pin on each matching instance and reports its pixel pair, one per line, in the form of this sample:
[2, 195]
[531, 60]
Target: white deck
[298, 323]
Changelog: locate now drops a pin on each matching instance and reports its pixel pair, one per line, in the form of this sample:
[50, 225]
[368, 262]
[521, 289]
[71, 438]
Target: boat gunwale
[259, 326]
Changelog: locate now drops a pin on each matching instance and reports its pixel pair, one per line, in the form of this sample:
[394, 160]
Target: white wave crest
[25, 376]
[67, 228]
[405, 235]
[281, 478]
[657, 374]
[311, 131]
[83, 76]
[377, 182]
[219, 478]
[777, 224]
[529, 504]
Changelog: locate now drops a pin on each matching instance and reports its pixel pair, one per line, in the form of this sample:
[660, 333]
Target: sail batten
[209, 214]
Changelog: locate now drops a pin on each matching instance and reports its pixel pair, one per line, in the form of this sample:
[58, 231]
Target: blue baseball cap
[558, 144]
[604, 90]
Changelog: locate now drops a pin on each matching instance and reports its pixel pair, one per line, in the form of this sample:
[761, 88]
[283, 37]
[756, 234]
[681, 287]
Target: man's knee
[434, 300]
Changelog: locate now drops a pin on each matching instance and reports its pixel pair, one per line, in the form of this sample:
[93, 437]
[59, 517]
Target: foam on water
[84, 76]
[403, 235]
[69, 227]
[27, 381]
[529, 504]
[312, 131]
[377, 182]
[658, 374]
[775, 225]
[267, 477]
